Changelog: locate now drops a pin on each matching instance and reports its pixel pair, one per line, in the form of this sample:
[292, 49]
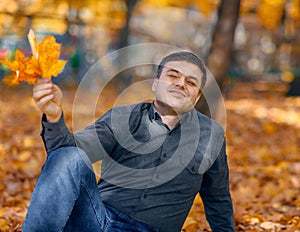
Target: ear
[154, 84]
[198, 97]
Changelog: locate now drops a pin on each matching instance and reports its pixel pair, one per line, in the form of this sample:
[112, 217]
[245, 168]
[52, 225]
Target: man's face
[178, 86]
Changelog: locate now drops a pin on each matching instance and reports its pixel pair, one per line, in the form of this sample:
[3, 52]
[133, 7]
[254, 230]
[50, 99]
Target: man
[155, 158]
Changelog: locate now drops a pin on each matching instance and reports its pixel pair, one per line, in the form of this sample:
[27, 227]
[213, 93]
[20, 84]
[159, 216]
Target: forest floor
[263, 146]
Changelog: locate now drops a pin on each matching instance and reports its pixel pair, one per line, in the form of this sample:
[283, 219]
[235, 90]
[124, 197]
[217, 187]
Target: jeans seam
[63, 227]
[74, 200]
[93, 205]
[109, 220]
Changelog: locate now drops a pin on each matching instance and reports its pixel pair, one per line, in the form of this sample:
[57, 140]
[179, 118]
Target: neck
[170, 120]
[168, 114]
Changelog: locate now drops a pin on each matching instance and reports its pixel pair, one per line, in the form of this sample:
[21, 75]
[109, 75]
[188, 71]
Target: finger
[42, 90]
[58, 95]
[38, 94]
[42, 86]
[42, 102]
[42, 83]
[43, 80]
[56, 89]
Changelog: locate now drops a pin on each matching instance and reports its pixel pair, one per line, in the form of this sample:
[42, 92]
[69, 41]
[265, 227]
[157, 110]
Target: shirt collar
[154, 115]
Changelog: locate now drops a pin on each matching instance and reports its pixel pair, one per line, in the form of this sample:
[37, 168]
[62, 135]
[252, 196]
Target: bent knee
[65, 156]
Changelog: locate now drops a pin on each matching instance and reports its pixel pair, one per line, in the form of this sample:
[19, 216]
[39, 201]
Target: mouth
[177, 93]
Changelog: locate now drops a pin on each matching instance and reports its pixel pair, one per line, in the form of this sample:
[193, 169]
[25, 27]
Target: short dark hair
[186, 56]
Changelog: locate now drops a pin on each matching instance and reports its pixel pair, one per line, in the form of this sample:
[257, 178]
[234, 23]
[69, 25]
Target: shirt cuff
[53, 128]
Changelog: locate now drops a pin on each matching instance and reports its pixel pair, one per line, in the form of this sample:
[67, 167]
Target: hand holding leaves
[48, 98]
[42, 63]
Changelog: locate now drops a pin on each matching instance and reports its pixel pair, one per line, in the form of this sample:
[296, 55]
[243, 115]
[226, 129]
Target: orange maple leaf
[44, 62]
[19, 67]
[45, 57]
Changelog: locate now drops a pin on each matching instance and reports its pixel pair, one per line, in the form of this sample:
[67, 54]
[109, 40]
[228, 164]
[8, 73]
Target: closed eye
[191, 83]
[173, 74]
[189, 80]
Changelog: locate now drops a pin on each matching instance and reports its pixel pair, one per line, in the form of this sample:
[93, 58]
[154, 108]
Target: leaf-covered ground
[263, 142]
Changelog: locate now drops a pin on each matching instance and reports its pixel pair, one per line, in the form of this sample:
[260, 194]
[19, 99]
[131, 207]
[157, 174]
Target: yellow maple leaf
[45, 57]
[18, 66]
[33, 43]
[44, 61]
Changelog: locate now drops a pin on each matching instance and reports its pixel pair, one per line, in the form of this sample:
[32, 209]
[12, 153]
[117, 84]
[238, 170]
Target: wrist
[55, 118]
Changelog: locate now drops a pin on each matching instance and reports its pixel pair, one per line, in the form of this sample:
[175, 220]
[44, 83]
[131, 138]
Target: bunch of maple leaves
[43, 62]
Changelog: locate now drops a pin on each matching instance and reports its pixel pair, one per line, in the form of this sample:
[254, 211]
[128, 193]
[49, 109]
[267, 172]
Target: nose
[180, 81]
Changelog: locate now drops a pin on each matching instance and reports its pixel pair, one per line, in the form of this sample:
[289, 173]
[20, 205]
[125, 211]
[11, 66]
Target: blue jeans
[66, 198]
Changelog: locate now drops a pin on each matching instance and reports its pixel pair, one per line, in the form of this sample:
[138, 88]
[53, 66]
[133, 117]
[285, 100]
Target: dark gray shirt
[150, 172]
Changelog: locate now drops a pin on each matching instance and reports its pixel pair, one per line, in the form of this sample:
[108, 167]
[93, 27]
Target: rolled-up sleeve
[215, 195]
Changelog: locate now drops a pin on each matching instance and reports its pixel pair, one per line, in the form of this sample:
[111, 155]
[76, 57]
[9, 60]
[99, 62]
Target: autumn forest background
[252, 48]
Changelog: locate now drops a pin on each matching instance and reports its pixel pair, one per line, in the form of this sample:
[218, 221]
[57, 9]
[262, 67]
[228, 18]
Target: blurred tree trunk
[123, 79]
[220, 55]
[124, 33]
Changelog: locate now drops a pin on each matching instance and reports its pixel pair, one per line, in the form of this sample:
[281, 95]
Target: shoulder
[123, 111]
[209, 124]
[211, 141]
[138, 107]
